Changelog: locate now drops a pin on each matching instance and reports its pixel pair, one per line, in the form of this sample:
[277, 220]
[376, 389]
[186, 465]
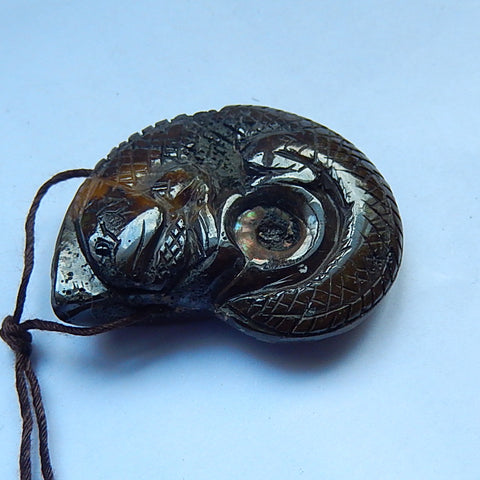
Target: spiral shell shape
[268, 220]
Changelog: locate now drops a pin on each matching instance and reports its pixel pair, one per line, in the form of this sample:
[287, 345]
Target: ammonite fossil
[267, 220]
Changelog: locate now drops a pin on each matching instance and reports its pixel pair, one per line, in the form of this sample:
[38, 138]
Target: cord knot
[16, 336]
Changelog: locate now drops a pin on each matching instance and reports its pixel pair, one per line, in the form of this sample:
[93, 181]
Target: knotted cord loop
[16, 336]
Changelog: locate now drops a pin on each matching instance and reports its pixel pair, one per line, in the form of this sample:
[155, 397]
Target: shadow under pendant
[265, 219]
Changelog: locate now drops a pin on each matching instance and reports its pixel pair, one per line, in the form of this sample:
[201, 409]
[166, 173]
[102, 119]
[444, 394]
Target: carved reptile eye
[268, 233]
[276, 226]
[103, 248]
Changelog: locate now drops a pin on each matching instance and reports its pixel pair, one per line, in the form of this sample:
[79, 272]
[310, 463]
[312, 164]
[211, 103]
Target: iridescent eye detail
[268, 233]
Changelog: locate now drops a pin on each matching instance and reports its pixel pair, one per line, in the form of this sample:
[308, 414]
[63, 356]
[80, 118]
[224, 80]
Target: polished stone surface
[265, 219]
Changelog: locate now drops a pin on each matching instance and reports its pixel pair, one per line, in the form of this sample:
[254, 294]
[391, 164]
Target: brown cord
[17, 336]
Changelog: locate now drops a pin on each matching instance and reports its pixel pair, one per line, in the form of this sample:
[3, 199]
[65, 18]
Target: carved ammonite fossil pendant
[265, 219]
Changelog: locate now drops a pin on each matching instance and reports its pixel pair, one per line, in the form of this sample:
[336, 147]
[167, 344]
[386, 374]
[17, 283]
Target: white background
[398, 397]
